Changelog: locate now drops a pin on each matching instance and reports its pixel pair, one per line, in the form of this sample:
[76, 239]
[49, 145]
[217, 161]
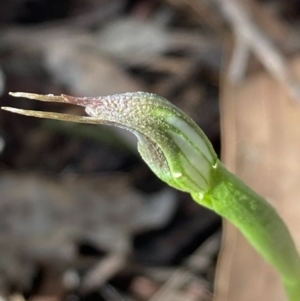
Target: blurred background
[81, 215]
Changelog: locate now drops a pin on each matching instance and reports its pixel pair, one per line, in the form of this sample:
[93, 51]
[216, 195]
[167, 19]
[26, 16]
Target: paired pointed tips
[80, 101]
[46, 98]
[171, 144]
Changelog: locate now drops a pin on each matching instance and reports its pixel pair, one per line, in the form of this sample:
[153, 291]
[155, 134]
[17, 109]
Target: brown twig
[104, 271]
[259, 44]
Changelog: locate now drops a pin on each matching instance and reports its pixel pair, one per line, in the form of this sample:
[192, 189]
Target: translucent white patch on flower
[171, 144]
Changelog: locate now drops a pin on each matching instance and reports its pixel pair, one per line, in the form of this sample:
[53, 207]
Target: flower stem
[258, 221]
[180, 154]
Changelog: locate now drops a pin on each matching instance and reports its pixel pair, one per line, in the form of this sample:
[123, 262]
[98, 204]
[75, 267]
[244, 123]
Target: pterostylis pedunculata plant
[180, 154]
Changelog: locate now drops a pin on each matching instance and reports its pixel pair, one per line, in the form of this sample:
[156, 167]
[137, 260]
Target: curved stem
[258, 221]
[292, 290]
[180, 154]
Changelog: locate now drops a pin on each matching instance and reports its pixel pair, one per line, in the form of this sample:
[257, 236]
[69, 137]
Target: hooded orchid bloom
[180, 154]
[173, 146]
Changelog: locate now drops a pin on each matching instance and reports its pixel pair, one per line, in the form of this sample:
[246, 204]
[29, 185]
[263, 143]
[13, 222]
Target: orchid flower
[180, 154]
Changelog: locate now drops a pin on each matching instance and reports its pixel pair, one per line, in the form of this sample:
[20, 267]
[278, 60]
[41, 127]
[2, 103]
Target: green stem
[292, 290]
[180, 154]
[258, 221]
